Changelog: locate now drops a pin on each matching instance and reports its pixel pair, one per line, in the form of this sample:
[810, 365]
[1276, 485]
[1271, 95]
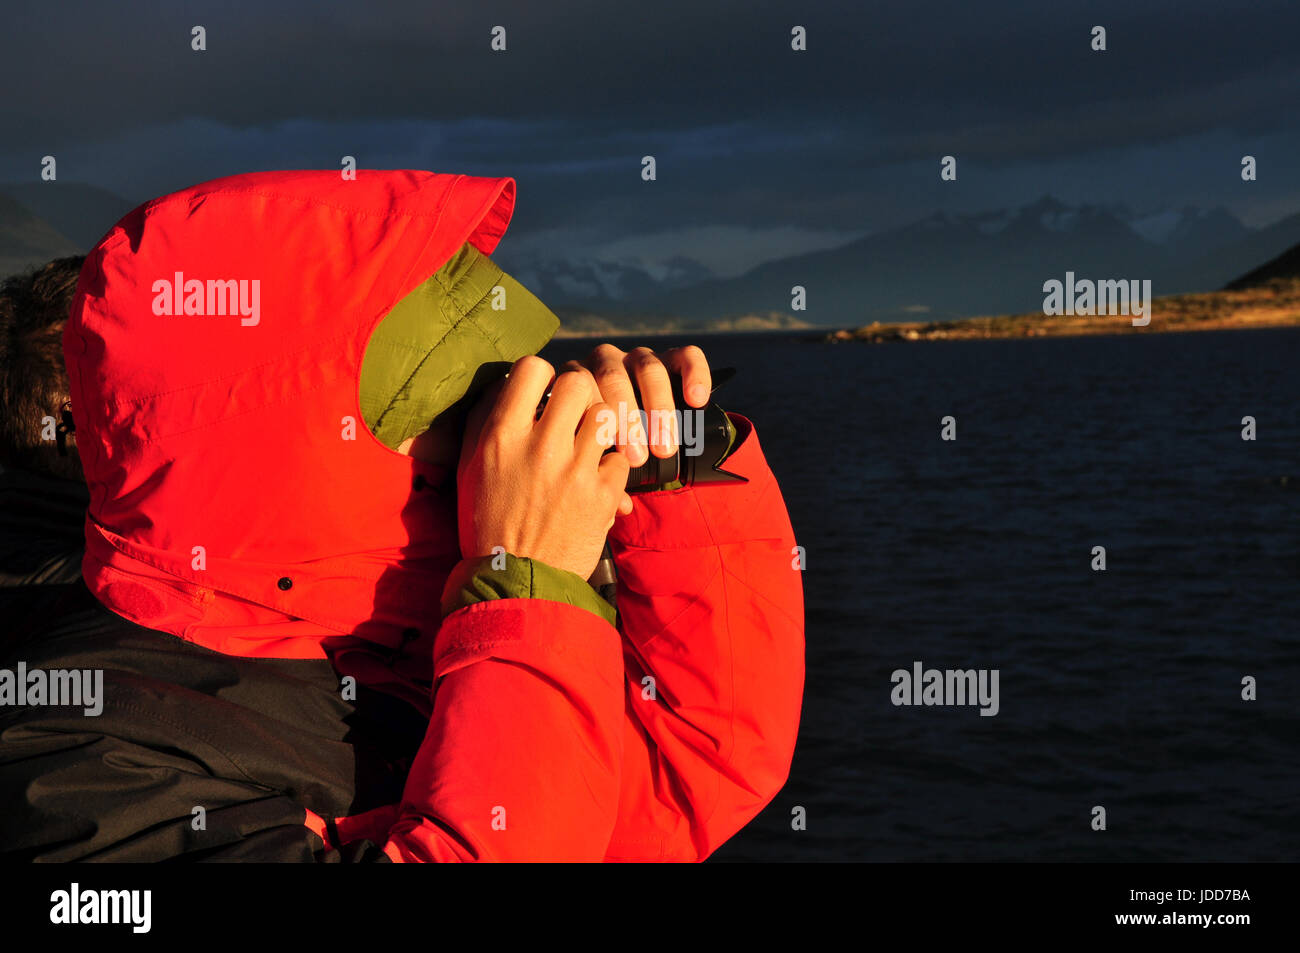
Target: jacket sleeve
[523, 753]
[710, 602]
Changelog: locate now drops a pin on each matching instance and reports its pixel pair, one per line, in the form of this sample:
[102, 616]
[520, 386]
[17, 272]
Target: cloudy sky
[761, 151]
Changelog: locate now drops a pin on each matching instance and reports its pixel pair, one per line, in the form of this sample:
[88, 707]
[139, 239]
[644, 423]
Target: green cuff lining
[476, 580]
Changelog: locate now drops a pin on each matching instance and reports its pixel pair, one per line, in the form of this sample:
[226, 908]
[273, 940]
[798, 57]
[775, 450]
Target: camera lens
[654, 472]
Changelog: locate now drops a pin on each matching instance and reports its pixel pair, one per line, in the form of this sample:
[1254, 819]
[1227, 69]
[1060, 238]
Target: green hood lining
[425, 355]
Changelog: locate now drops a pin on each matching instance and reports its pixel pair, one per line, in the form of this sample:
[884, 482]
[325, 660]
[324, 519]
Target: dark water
[1119, 688]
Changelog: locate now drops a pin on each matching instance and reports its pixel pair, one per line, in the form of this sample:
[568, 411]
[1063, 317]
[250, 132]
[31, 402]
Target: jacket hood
[214, 350]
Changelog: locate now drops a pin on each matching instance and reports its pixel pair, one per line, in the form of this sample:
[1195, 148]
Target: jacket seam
[459, 647]
[185, 730]
[644, 643]
[712, 544]
[189, 197]
[731, 675]
[227, 590]
[372, 323]
[243, 413]
[768, 599]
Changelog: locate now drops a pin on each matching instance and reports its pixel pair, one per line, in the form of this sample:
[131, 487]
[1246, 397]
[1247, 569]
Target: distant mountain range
[27, 240]
[1285, 265]
[40, 221]
[577, 285]
[942, 267]
[84, 213]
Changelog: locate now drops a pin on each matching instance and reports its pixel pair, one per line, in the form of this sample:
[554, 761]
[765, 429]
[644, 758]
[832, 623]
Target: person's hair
[33, 378]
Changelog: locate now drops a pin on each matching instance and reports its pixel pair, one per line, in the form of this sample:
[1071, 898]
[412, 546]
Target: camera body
[705, 436]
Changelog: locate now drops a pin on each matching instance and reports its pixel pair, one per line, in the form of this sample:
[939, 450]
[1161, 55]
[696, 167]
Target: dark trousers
[249, 742]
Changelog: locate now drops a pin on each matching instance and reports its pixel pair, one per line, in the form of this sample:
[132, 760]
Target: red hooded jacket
[238, 501]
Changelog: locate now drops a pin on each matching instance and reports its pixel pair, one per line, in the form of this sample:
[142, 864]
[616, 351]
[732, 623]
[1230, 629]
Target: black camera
[704, 438]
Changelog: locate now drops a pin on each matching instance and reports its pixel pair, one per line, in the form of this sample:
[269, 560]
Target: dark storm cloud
[95, 68]
[844, 137]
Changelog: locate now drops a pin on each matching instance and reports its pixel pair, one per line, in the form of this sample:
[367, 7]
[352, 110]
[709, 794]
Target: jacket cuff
[477, 580]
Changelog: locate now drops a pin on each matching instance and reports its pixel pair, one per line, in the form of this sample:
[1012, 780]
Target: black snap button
[285, 583]
[419, 482]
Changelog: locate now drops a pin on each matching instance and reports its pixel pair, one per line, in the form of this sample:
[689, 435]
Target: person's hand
[614, 369]
[540, 487]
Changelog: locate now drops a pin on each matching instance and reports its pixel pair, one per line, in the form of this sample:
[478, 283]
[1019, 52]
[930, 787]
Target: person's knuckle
[610, 374]
[576, 381]
[620, 466]
[646, 361]
[533, 362]
[656, 378]
[544, 452]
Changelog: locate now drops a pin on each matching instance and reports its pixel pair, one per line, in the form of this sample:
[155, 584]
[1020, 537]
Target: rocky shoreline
[1270, 305]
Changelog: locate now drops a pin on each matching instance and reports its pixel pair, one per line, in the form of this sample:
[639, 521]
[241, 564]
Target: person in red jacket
[328, 627]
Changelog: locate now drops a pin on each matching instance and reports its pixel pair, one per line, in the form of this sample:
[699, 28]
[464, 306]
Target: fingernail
[699, 393]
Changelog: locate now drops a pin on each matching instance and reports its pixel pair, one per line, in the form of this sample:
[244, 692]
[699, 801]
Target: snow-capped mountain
[566, 282]
[951, 265]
